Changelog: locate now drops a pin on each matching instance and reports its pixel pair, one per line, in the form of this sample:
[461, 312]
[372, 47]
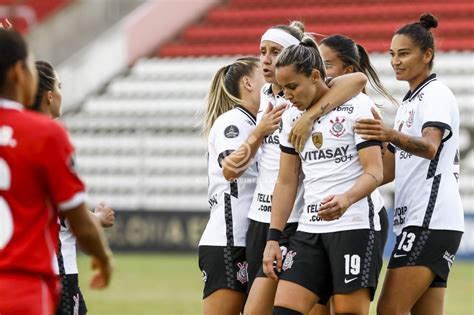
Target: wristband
[273, 235]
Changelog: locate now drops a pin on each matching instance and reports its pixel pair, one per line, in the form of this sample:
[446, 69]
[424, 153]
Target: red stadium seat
[235, 28]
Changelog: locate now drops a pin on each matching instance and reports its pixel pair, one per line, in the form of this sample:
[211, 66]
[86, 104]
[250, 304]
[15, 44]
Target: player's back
[30, 146]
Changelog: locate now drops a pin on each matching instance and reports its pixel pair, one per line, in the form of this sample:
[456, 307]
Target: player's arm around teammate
[424, 147]
[315, 259]
[262, 289]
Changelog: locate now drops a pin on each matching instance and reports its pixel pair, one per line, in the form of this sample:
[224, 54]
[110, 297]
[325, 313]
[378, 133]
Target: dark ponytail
[420, 33]
[355, 55]
[367, 68]
[46, 82]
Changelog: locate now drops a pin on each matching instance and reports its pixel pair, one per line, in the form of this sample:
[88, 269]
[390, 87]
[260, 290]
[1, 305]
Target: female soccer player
[341, 55]
[424, 159]
[233, 140]
[335, 250]
[48, 101]
[262, 293]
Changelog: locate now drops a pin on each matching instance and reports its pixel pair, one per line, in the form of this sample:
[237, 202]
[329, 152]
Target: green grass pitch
[171, 284]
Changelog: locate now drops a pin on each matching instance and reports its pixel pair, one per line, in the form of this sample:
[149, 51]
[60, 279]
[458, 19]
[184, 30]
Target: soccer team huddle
[296, 153]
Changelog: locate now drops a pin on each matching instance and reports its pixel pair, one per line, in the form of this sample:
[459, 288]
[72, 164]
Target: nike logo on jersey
[346, 281]
[399, 255]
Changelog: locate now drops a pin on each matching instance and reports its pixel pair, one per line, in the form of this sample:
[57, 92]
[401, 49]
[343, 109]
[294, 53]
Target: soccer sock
[279, 310]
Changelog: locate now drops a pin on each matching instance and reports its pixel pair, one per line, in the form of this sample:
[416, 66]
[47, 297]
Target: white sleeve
[230, 134]
[362, 109]
[436, 111]
[285, 129]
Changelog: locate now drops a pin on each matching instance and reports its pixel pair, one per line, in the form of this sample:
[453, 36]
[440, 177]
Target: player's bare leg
[402, 288]
[261, 297]
[224, 301]
[431, 302]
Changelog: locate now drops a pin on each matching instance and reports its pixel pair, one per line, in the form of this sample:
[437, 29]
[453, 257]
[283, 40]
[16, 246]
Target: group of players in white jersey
[296, 152]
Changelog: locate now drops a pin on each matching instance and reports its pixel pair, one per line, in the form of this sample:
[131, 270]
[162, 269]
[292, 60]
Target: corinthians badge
[317, 139]
[337, 128]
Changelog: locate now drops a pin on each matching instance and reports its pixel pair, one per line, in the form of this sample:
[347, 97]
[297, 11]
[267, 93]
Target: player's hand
[272, 254]
[300, 132]
[102, 272]
[373, 129]
[271, 119]
[333, 207]
[105, 214]
[6, 24]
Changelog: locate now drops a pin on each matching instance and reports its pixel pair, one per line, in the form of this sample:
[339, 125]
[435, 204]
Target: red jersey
[36, 179]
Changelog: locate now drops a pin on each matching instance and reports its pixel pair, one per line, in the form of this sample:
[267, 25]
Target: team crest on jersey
[317, 140]
[337, 128]
[411, 118]
[204, 276]
[449, 259]
[288, 263]
[231, 131]
[242, 274]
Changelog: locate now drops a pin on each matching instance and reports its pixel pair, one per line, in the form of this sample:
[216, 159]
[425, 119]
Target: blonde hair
[224, 93]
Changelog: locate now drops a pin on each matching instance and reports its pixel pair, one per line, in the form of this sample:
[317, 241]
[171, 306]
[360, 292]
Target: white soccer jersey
[268, 166]
[331, 165]
[229, 201]
[68, 249]
[427, 192]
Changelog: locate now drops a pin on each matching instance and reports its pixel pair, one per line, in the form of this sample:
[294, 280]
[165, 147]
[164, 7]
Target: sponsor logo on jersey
[212, 201]
[317, 139]
[456, 158]
[420, 96]
[204, 276]
[271, 139]
[288, 263]
[456, 175]
[6, 137]
[325, 154]
[399, 255]
[345, 108]
[399, 215]
[346, 281]
[242, 274]
[231, 131]
[411, 118]
[449, 258]
[337, 128]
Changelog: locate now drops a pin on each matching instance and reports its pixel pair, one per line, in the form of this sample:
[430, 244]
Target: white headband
[280, 37]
